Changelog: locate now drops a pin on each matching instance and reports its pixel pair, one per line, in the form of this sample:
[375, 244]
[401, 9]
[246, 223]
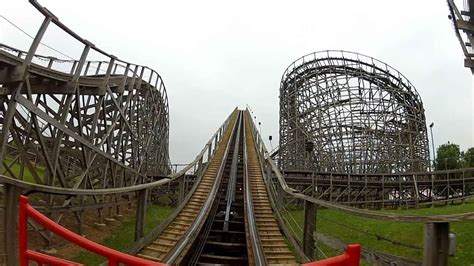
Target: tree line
[450, 156]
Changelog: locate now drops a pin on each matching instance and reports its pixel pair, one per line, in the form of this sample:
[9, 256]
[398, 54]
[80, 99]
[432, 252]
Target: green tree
[448, 156]
[468, 157]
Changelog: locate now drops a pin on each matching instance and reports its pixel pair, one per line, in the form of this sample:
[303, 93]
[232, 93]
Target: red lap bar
[114, 257]
[350, 258]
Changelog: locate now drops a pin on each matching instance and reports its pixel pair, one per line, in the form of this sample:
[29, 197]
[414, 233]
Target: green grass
[325, 251]
[123, 236]
[350, 229]
[16, 169]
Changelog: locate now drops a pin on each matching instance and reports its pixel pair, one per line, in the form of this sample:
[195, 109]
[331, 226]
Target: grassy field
[353, 229]
[122, 237]
[16, 169]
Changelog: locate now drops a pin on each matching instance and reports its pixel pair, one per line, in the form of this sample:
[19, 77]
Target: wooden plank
[34, 109]
[468, 63]
[465, 25]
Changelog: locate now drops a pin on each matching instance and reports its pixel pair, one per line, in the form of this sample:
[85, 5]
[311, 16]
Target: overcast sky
[216, 55]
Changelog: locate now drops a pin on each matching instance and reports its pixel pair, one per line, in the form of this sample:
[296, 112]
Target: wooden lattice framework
[78, 125]
[346, 112]
[463, 21]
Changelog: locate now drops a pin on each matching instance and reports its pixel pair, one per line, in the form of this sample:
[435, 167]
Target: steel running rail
[230, 193]
[195, 227]
[257, 251]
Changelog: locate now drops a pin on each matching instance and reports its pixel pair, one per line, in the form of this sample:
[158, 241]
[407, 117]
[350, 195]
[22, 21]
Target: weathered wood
[141, 210]
[56, 144]
[75, 192]
[37, 111]
[436, 246]
[181, 189]
[416, 191]
[158, 229]
[309, 226]
[468, 63]
[12, 194]
[80, 208]
[34, 45]
[209, 151]
[465, 25]
[278, 205]
[366, 213]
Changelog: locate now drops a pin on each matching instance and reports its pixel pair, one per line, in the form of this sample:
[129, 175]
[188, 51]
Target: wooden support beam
[141, 209]
[182, 192]
[467, 26]
[12, 194]
[417, 194]
[209, 152]
[470, 4]
[309, 227]
[468, 63]
[436, 247]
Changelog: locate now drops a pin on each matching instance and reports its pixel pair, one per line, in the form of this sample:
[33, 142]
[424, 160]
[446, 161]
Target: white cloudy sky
[216, 55]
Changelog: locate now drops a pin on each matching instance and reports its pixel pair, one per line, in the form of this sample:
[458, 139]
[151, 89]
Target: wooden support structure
[436, 247]
[378, 191]
[182, 189]
[345, 139]
[309, 226]
[141, 210]
[12, 194]
[85, 128]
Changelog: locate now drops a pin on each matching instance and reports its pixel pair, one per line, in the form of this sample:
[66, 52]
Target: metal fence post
[436, 246]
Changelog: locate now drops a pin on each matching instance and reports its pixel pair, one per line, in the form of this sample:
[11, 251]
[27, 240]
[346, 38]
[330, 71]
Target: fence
[26, 255]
